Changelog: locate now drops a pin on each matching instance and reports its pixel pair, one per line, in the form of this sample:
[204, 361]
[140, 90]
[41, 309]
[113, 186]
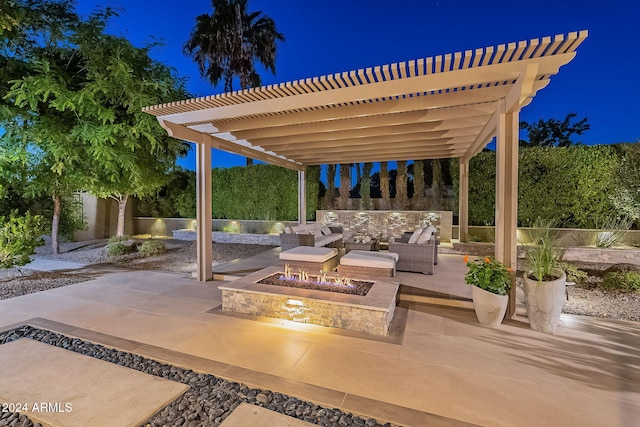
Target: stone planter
[544, 302]
[489, 307]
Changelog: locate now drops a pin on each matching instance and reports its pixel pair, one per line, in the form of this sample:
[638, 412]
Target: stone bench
[310, 258]
[367, 263]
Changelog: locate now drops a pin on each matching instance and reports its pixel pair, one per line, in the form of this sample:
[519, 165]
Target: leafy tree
[90, 114]
[227, 43]
[38, 136]
[553, 132]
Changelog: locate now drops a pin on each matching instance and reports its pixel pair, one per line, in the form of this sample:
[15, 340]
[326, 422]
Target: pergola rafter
[448, 106]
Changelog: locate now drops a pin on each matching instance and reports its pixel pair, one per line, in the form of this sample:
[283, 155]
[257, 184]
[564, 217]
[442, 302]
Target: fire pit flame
[321, 279]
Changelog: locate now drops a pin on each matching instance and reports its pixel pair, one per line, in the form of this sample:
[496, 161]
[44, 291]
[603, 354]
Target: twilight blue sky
[329, 36]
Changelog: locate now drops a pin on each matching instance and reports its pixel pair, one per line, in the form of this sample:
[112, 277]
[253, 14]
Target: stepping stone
[63, 388]
[248, 415]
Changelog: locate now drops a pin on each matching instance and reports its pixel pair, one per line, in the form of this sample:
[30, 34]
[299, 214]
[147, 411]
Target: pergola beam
[354, 135]
[186, 134]
[384, 89]
[387, 106]
[423, 116]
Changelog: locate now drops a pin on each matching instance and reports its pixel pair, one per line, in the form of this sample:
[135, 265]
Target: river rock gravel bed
[208, 401]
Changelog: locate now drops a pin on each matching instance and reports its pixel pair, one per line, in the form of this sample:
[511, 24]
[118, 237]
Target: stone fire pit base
[371, 313]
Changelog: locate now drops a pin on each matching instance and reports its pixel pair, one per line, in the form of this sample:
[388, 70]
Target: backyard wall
[386, 224]
[101, 216]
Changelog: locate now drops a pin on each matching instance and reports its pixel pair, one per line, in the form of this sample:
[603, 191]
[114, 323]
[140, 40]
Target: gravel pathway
[208, 401]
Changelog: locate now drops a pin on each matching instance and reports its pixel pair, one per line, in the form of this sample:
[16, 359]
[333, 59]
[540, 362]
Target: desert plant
[624, 281]
[613, 232]
[19, 235]
[151, 248]
[543, 255]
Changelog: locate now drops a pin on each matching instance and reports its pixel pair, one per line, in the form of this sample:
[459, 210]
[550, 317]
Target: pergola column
[302, 197]
[463, 202]
[506, 249]
[203, 214]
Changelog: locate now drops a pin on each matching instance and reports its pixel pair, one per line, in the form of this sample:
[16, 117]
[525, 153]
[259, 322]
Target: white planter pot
[489, 307]
[544, 302]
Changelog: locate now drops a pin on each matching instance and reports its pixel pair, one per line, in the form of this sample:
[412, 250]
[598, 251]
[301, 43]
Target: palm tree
[227, 43]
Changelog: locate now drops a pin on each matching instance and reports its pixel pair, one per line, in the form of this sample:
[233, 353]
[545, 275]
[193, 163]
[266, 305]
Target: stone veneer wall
[305, 310]
[385, 225]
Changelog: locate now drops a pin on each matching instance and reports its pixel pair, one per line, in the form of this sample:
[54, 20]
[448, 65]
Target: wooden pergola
[448, 106]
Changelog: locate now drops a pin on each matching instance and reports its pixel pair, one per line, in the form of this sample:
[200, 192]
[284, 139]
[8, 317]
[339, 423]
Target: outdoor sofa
[316, 235]
[418, 253]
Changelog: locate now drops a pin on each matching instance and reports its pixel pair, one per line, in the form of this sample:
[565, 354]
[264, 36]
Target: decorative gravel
[15, 282]
[179, 258]
[208, 401]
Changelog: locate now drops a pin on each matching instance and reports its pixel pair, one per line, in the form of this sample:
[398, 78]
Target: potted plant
[544, 279]
[491, 282]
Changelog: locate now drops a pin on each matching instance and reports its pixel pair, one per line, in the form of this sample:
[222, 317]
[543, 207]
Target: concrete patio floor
[443, 368]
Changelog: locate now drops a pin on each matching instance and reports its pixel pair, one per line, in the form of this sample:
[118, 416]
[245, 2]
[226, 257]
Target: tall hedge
[261, 192]
[572, 185]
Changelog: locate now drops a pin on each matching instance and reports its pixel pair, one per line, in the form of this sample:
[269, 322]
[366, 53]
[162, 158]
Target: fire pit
[371, 312]
[321, 282]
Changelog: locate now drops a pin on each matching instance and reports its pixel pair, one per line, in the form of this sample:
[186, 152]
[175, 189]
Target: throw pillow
[424, 237]
[415, 236]
[316, 231]
[288, 230]
[325, 230]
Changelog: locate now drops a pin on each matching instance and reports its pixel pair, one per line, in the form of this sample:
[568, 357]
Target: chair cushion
[308, 253]
[367, 259]
[391, 255]
[416, 235]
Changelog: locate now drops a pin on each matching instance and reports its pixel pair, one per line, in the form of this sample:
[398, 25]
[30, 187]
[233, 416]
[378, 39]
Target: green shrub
[117, 239]
[19, 235]
[574, 274]
[625, 281]
[117, 249]
[151, 248]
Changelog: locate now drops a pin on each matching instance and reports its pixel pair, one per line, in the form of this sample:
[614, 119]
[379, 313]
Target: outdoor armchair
[416, 257]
